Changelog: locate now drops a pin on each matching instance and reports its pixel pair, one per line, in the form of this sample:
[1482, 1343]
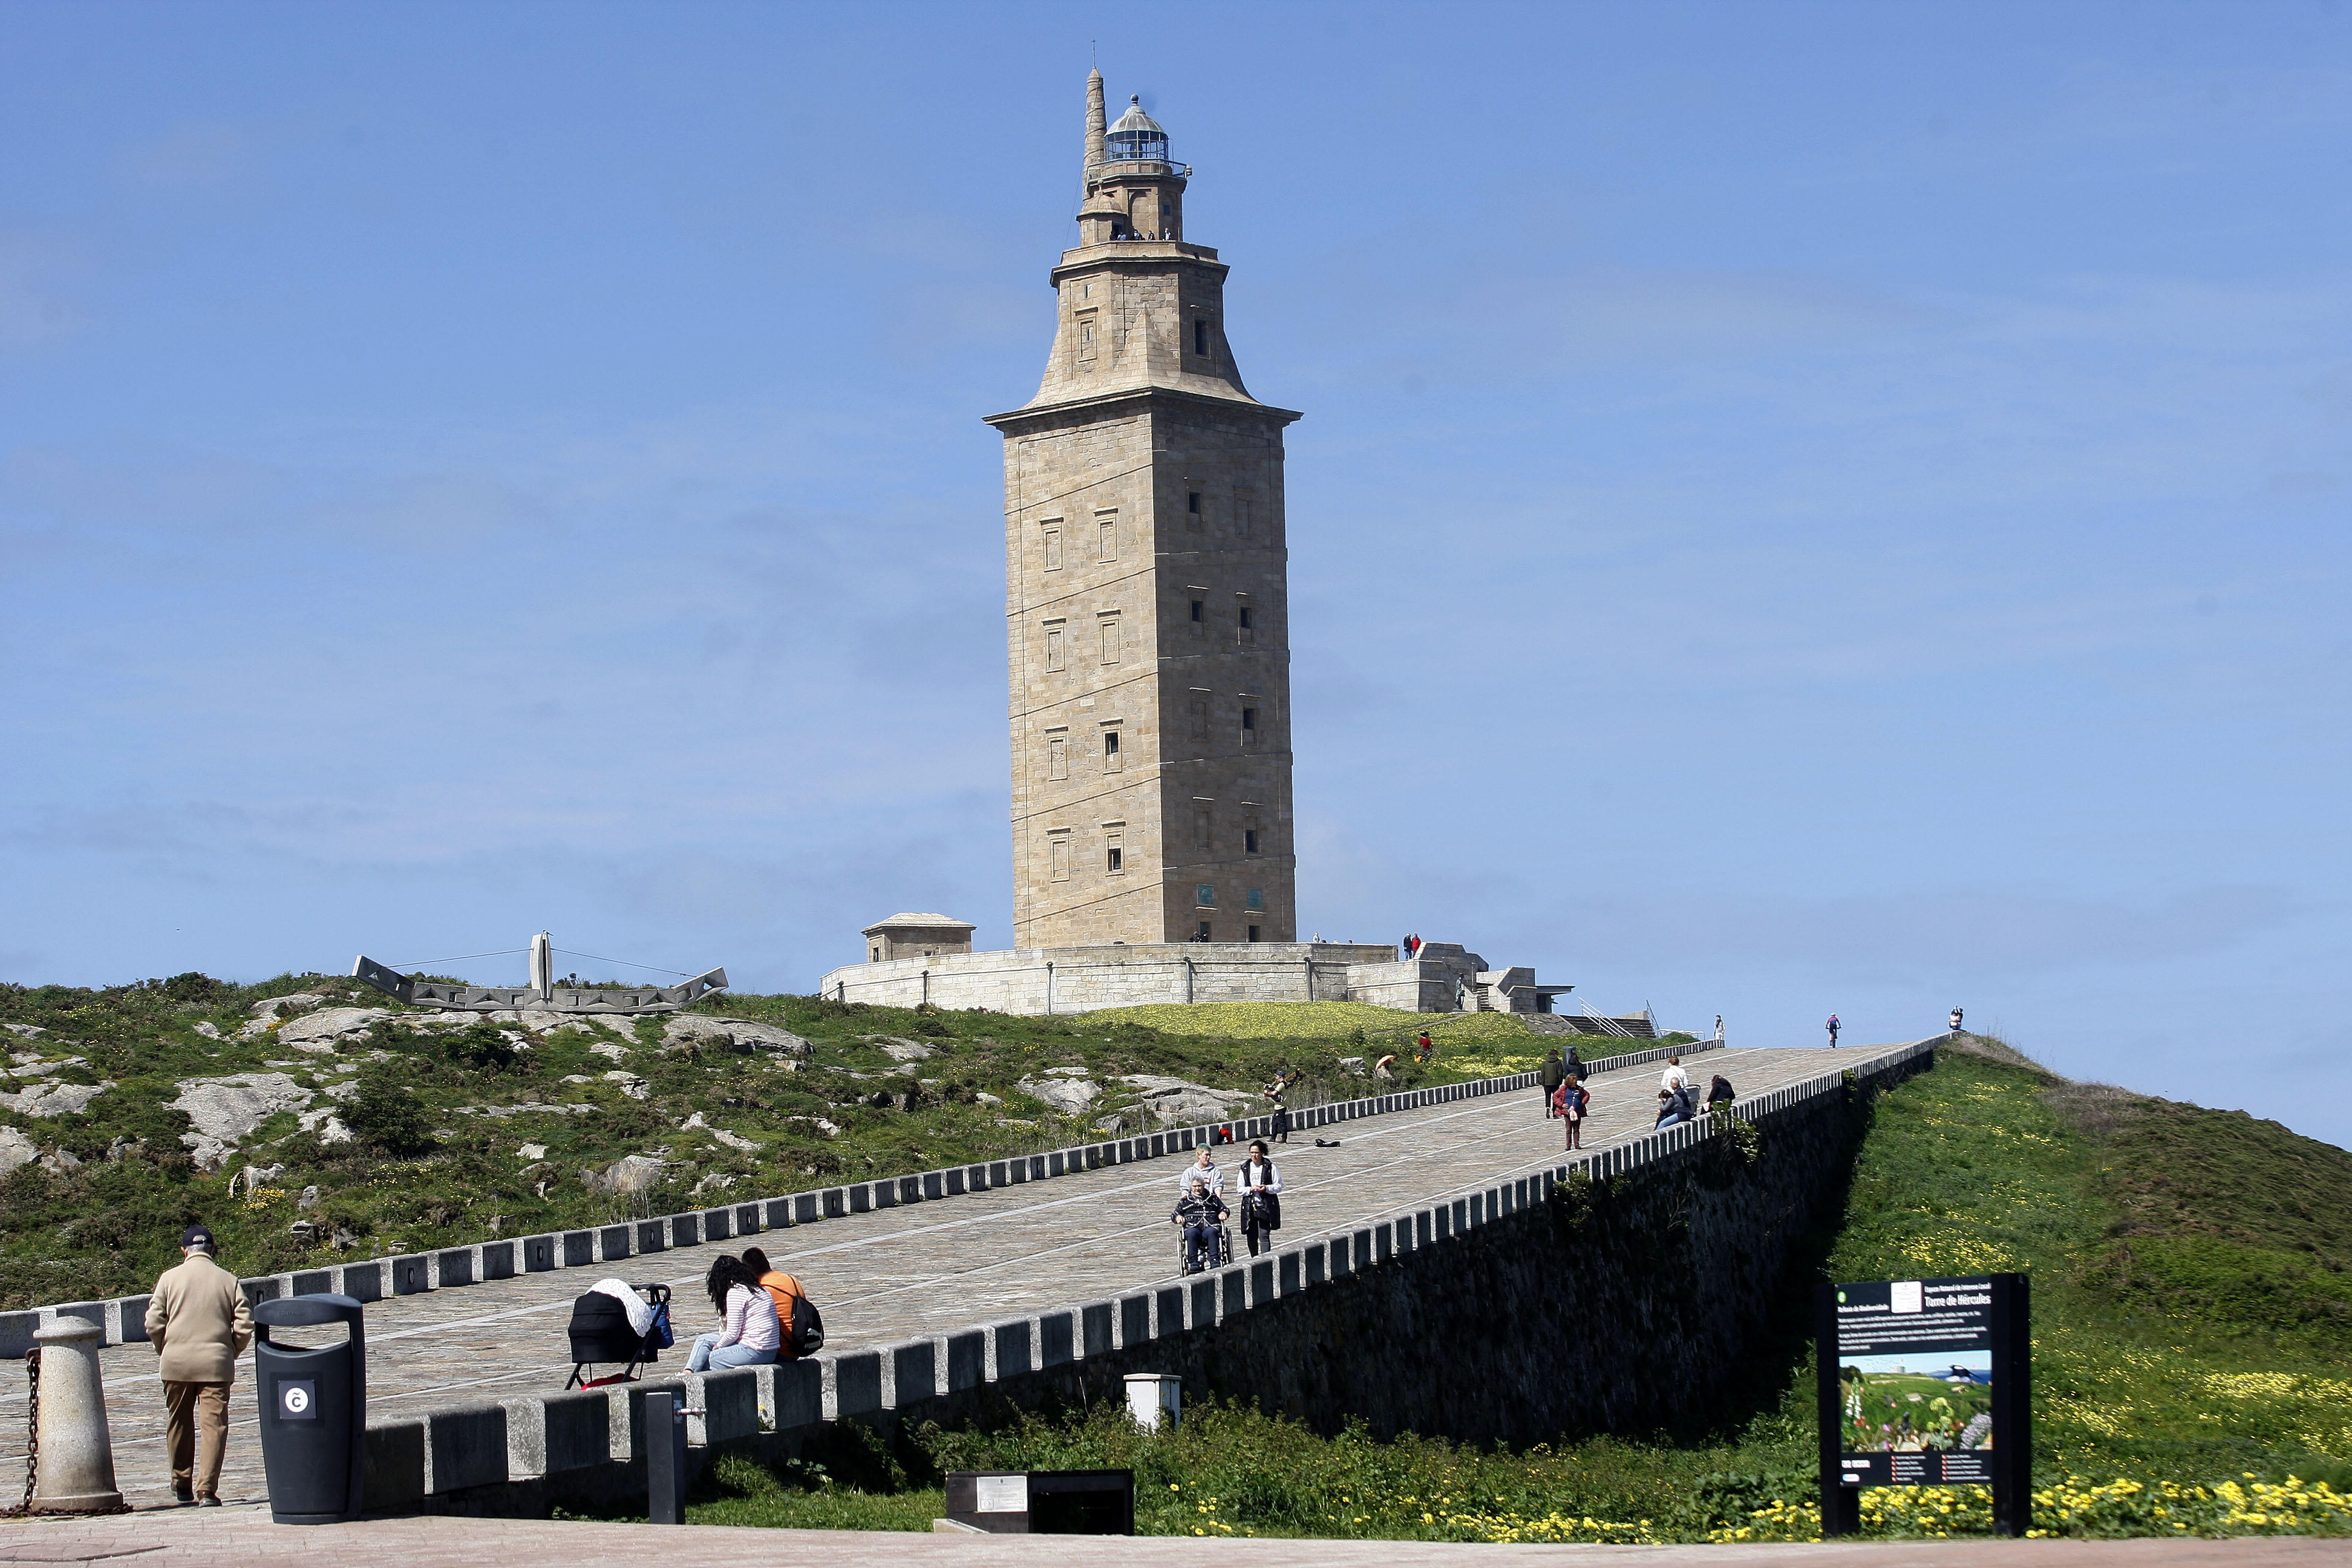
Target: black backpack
[805, 1334]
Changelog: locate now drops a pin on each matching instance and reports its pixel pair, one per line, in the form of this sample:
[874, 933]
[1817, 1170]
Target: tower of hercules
[1147, 613]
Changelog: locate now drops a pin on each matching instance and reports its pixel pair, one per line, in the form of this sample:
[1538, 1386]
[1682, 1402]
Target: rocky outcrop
[54, 1099]
[1067, 1089]
[629, 1173]
[16, 1150]
[1173, 1100]
[900, 1049]
[224, 1110]
[323, 1030]
[681, 1029]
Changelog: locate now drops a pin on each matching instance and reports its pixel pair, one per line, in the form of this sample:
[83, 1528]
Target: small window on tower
[1111, 751]
[1192, 502]
[1058, 857]
[1053, 650]
[1205, 895]
[1200, 337]
[1053, 545]
[1106, 537]
[1112, 859]
[1249, 726]
[1245, 624]
[874, 954]
[1202, 931]
[1057, 756]
[1253, 933]
[1254, 899]
[1249, 840]
[1110, 640]
[1199, 617]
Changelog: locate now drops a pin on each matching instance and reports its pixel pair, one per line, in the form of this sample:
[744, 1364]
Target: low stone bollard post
[77, 1458]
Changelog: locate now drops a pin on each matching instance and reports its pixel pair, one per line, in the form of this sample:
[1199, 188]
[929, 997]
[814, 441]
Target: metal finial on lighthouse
[543, 967]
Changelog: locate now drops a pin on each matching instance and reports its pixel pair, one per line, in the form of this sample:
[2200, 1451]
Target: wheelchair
[1222, 1248]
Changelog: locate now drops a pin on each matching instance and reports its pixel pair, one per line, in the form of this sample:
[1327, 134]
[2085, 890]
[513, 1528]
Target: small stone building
[917, 936]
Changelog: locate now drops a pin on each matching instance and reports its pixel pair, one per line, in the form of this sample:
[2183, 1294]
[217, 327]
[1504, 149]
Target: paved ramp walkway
[897, 1273]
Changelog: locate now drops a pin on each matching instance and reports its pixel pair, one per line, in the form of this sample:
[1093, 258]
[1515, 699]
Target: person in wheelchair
[1202, 1215]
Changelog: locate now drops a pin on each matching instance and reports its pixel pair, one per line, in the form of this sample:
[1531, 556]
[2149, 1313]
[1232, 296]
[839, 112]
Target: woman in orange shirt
[782, 1287]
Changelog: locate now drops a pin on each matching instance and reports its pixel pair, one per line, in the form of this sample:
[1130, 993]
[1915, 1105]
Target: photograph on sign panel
[1910, 1402]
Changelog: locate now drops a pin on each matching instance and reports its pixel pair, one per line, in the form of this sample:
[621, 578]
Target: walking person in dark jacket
[1554, 1072]
[1259, 1181]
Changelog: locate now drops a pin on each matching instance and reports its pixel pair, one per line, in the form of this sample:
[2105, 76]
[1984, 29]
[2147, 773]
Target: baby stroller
[614, 1323]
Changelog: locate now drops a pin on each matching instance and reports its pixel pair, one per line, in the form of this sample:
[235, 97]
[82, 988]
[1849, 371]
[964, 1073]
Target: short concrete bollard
[77, 1464]
[1155, 1400]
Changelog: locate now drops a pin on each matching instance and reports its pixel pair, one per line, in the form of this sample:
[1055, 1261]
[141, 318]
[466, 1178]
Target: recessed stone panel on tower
[1146, 607]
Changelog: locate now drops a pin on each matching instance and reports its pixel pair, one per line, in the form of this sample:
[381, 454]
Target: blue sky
[1799, 508]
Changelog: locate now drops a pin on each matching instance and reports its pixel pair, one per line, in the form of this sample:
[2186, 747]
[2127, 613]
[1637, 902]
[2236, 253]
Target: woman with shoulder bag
[1260, 1185]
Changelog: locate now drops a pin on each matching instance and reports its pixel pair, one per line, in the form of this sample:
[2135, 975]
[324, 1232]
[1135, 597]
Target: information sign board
[1924, 1383]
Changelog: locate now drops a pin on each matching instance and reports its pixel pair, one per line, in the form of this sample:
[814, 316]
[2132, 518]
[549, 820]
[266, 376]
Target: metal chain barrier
[32, 1432]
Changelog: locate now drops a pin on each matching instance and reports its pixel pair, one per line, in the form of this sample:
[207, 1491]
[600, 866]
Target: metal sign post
[1925, 1383]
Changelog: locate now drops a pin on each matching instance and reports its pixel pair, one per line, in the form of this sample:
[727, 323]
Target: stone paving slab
[244, 1537]
[893, 1274]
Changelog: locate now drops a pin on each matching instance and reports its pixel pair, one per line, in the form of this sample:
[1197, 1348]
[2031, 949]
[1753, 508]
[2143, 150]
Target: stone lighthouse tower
[1147, 608]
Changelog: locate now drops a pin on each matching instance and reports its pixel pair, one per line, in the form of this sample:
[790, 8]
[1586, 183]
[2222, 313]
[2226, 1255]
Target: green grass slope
[2165, 1413]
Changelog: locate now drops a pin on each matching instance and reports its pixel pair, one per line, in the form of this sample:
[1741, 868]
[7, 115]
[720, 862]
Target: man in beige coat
[198, 1321]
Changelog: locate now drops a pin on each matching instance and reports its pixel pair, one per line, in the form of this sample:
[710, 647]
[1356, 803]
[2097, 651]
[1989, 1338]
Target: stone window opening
[1254, 899]
[1111, 758]
[1059, 856]
[1111, 858]
[1057, 756]
[1053, 535]
[1201, 930]
[1193, 510]
[1200, 622]
[1109, 624]
[1205, 895]
[1245, 623]
[873, 953]
[1053, 650]
[1249, 840]
[1249, 726]
[1107, 536]
[1199, 336]
[1253, 933]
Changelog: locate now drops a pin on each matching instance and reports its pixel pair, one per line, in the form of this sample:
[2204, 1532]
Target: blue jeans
[709, 1353]
[1200, 1239]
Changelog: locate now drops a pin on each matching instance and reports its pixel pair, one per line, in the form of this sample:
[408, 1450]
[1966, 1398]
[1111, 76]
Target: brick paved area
[244, 1538]
[894, 1273]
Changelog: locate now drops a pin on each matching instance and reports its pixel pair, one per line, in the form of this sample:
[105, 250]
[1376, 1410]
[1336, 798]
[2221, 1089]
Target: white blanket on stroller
[641, 1313]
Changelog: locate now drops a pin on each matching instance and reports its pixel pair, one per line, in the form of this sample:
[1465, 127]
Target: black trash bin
[314, 1411]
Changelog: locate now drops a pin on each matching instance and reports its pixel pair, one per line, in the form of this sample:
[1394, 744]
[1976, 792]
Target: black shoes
[184, 1490]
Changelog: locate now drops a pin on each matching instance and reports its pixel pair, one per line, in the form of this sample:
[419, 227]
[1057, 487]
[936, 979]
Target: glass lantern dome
[1136, 138]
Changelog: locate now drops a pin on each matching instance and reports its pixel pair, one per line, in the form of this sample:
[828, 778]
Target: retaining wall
[1594, 1293]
